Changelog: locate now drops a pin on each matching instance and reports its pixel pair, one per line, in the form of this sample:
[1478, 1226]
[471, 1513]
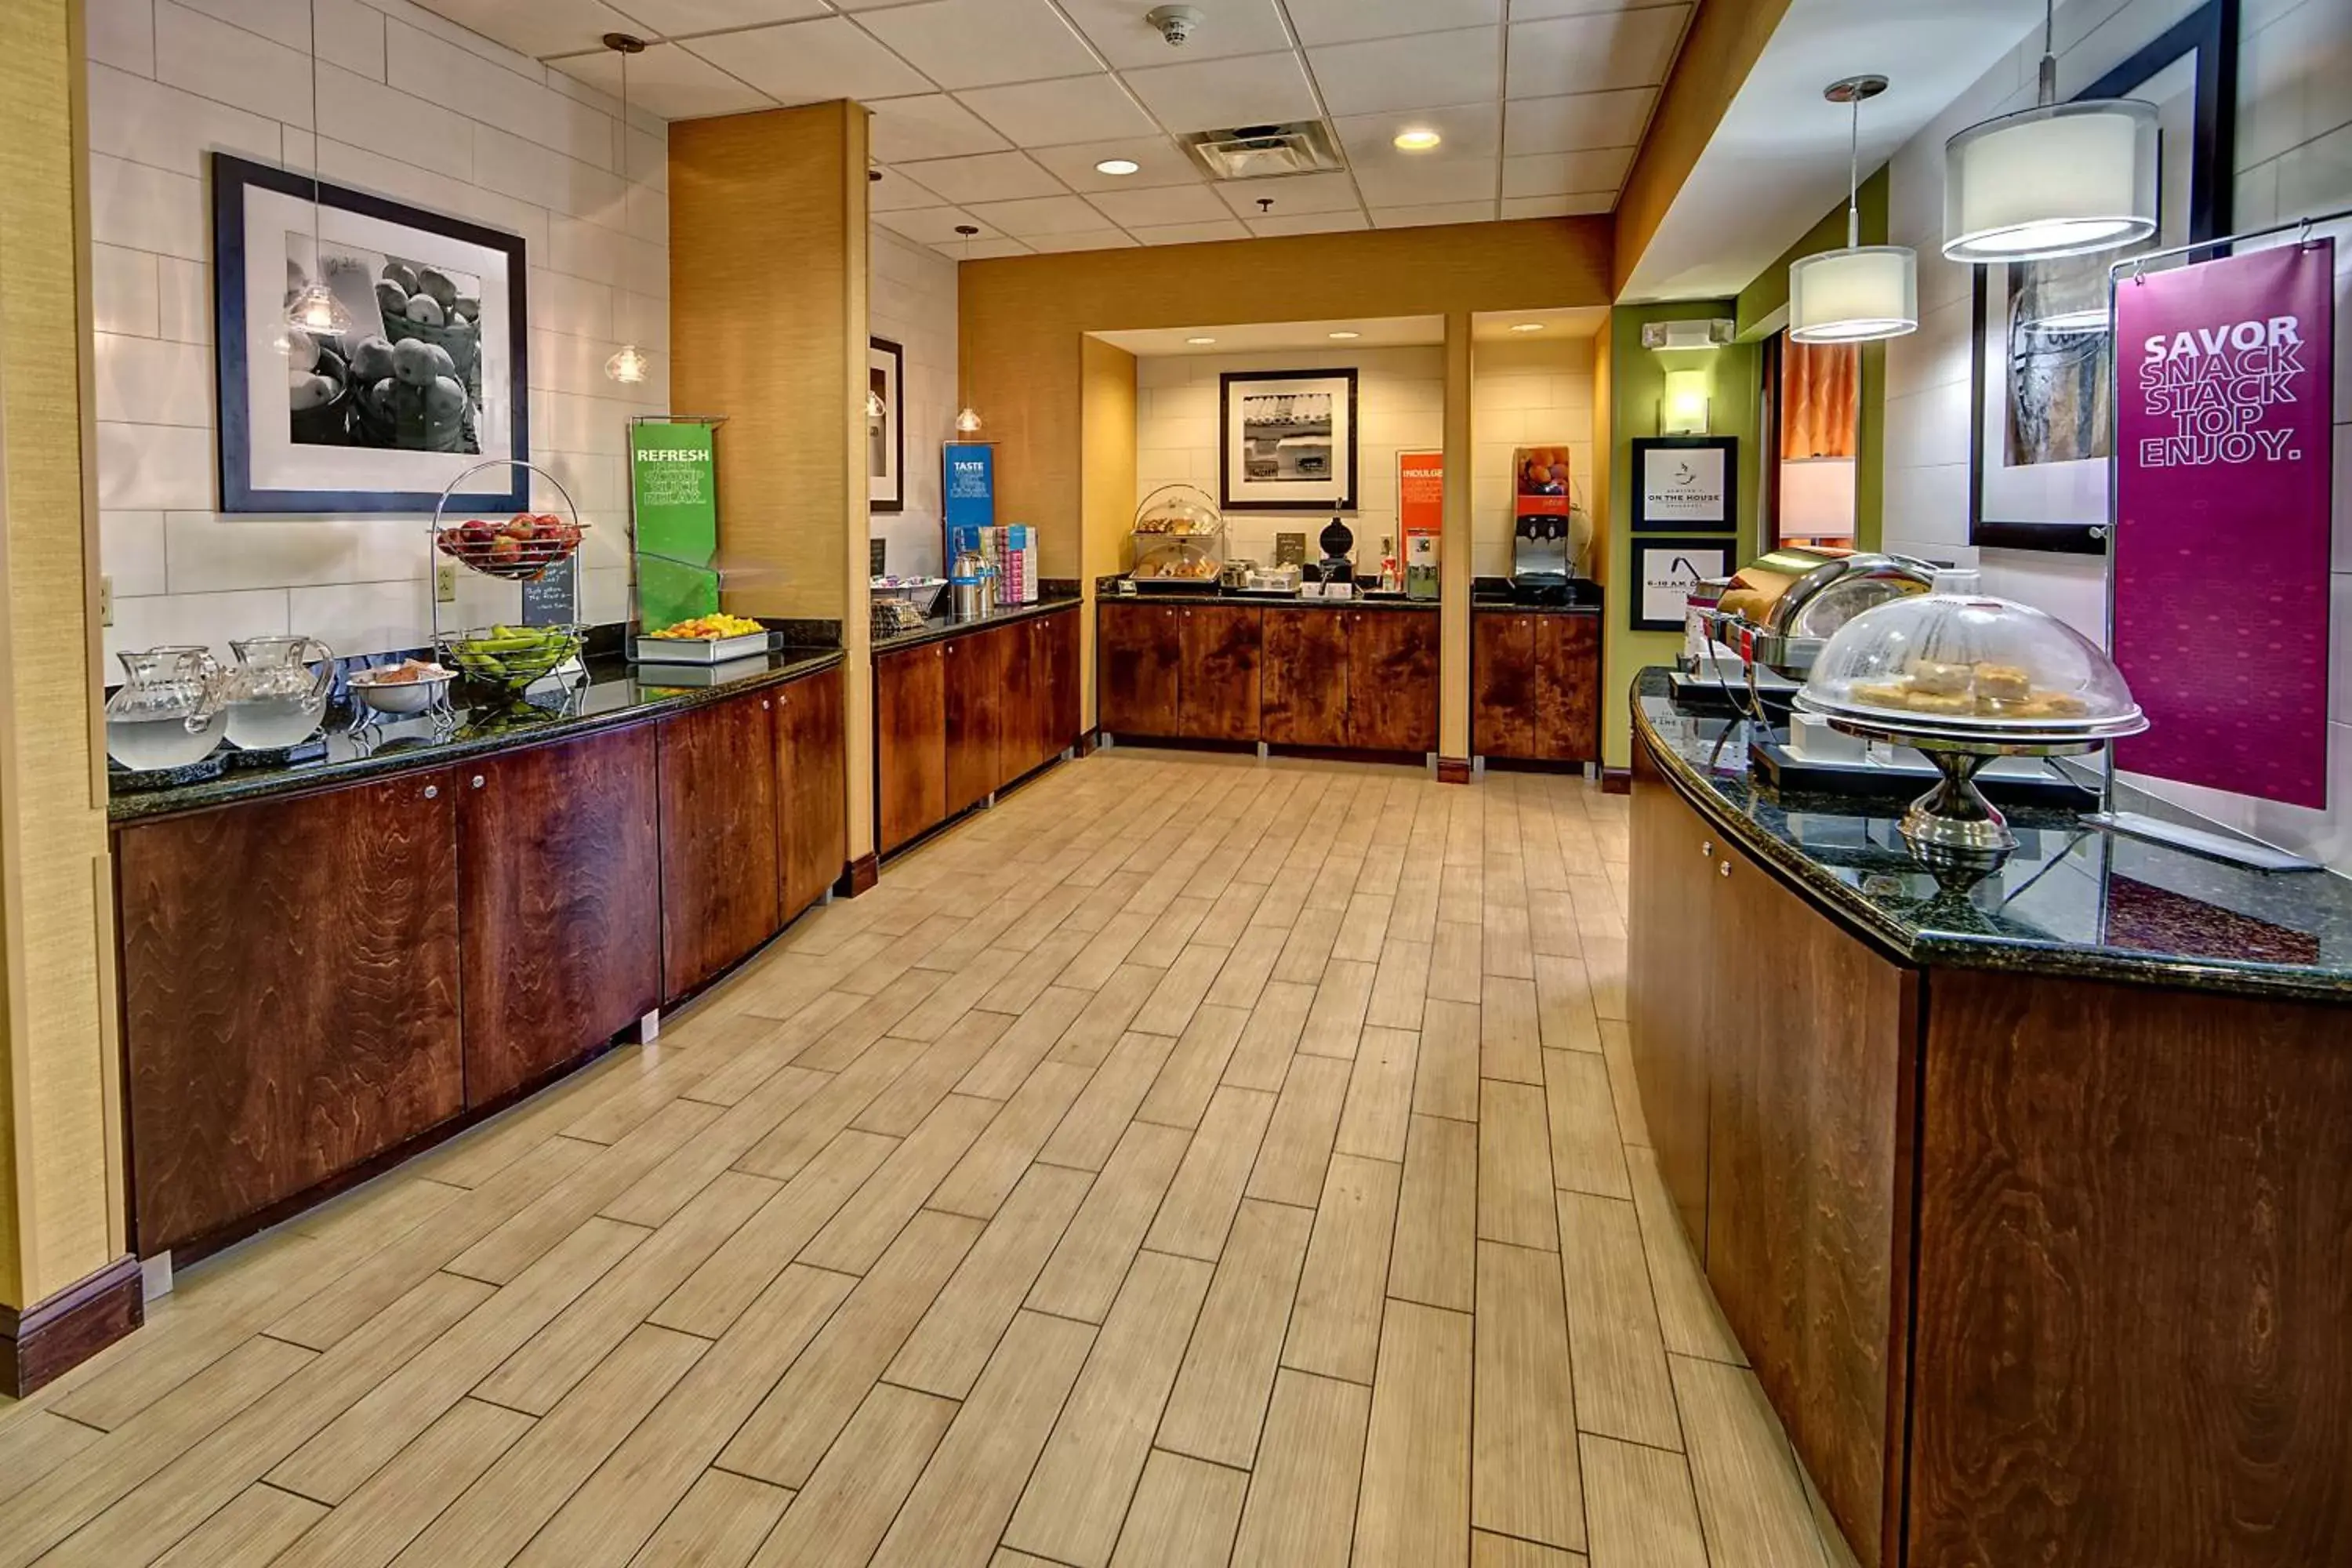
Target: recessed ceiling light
[1200, 343]
[1344, 336]
[1117, 166]
[1527, 326]
[1420, 138]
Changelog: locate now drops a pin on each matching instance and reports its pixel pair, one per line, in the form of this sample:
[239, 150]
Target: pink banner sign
[2225, 464]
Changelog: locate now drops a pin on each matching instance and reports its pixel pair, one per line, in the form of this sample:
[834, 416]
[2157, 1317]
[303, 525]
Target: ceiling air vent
[1264, 152]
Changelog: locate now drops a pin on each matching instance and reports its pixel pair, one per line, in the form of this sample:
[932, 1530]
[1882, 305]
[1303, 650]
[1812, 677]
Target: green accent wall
[1637, 376]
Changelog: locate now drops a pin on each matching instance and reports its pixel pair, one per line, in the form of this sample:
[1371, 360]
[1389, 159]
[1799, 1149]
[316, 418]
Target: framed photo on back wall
[1288, 440]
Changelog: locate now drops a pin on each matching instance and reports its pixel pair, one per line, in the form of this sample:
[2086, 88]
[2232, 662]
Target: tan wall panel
[1107, 506]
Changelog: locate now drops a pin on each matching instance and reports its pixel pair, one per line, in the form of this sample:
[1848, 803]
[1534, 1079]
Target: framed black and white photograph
[1665, 572]
[886, 425]
[1288, 440]
[1686, 482]
[2042, 385]
[422, 373]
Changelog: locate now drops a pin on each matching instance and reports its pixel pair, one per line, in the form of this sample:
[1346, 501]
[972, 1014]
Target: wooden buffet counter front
[963, 709]
[2031, 1206]
[322, 966]
[1535, 683]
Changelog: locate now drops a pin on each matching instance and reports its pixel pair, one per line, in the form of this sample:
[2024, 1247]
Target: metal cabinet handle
[433, 792]
[1724, 869]
[478, 781]
[1706, 851]
[765, 703]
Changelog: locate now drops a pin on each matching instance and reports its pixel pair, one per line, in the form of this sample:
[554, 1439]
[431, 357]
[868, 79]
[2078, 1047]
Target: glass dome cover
[1957, 661]
[1181, 510]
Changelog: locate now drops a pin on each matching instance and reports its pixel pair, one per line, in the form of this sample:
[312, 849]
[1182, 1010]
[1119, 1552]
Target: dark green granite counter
[1261, 601]
[616, 693]
[940, 628]
[2072, 901]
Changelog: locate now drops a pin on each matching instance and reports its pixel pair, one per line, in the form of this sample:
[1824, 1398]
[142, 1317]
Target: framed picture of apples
[375, 397]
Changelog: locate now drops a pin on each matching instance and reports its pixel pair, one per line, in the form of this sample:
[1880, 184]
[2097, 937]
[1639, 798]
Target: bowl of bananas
[509, 657]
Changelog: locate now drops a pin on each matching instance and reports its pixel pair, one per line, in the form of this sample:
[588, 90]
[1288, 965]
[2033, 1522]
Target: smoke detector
[1177, 24]
[1264, 152]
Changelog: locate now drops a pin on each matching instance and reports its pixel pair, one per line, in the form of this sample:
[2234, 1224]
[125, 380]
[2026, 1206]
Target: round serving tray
[2007, 735]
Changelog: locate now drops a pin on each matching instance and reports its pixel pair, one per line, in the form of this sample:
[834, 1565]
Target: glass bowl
[1957, 661]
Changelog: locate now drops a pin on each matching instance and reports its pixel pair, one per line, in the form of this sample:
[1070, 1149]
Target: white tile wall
[2293, 157]
[911, 300]
[416, 109]
[1536, 392]
[1399, 407]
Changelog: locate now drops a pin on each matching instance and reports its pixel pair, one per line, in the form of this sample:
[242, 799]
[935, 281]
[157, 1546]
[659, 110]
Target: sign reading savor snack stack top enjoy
[2225, 387]
[674, 484]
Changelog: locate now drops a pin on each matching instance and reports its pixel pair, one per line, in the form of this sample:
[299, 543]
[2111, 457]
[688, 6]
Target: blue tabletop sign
[969, 472]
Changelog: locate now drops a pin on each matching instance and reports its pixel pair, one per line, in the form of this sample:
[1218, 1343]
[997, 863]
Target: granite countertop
[616, 693]
[940, 628]
[1512, 606]
[1260, 601]
[2072, 901]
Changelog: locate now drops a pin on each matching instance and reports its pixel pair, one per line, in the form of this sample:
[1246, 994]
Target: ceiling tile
[1573, 124]
[933, 126]
[1566, 174]
[667, 81]
[1558, 206]
[1469, 131]
[1397, 183]
[1157, 159]
[1419, 72]
[1435, 213]
[1051, 113]
[1217, 95]
[682, 18]
[1191, 233]
[991, 177]
[1229, 27]
[1160, 205]
[1307, 223]
[534, 27]
[897, 191]
[1537, 10]
[1088, 239]
[1594, 53]
[1341, 21]
[811, 62]
[1291, 194]
[932, 226]
[975, 43]
[1036, 216]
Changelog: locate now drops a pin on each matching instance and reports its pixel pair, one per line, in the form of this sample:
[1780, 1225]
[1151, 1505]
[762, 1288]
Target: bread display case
[1180, 540]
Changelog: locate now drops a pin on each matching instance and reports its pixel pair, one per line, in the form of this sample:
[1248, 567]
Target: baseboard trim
[1453, 770]
[861, 876]
[50, 1337]
[1616, 781]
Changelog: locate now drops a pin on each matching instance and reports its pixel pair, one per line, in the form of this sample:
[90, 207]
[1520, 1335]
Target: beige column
[1454, 562]
[1105, 489]
[60, 1098]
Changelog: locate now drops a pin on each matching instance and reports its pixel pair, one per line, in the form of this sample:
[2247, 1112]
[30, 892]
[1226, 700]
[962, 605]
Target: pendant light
[2058, 179]
[1865, 293]
[629, 366]
[314, 308]
[967, 420]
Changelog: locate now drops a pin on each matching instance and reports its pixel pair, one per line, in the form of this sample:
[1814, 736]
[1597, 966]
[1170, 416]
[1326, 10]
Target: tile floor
[1191, 1161]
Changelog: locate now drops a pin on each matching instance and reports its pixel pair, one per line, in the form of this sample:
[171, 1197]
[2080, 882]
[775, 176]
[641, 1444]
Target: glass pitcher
[167, 713]
[273, 698]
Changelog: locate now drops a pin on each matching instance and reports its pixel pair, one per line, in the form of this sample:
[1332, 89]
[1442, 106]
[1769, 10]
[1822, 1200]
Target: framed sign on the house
[1665, 571]
[1685, 483]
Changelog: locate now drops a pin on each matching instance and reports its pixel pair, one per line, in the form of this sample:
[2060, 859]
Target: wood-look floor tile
[935, 1070]
[1220, 1397]
[993, 1165]
[1180, 1095]
[1297, 1146]
[953, 1342]
[373, 1525]
[1515, 1188]
[1380, 1095]
[1241, 979]
[1201, 1201]
[1336, 1020]
[840, 1516]
[1400, 984]
[515, 1245]
[719, 1524]
[1506, 949]
[1335, 1328]
[1510, 1046]
[1093, 1125]
[1097, 1027]
[1301, 1511]
[1587, 1155]
[1551, 923]
[1506, 1552]
[1751, 1502]
[1638, 1507]
[1363, 928]
[850, 1037]
[1415, 1504]
[252, 1528]
[958, 1511]
[1689, 1321]
[873, 1217]
[35, 1442]
[1617, 1051]
[1307, 949]
[1445, 1078]
[1008, 1064]
[1262, 1057]
[1564, 1012]
[796, 1141]
[1524, 1465]
[1026, 977]
[1413, 915]
[1184, 1514]
[1230, 917]
[1072, 1506]
[1435, 1257]
[1083, 1275]
[1170, 1006]
[1621, 1386]
[1455, 972]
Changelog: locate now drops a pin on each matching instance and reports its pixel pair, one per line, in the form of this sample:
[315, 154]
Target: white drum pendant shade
[1855, 296]
[2061, 179]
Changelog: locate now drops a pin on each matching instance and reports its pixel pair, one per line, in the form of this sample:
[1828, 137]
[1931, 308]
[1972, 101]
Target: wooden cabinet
[289, 978]
[1671, 945]
[811, 789]
[976, 706]
[1392, 681]
[1050, 684]
[1140, 651]
[1306, 678]
[910, 753]
[1219, 652]
[1535, 688]
[718, 866]
[559, 904]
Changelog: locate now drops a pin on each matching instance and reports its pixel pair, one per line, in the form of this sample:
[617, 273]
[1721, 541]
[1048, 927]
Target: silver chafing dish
[1782, 608]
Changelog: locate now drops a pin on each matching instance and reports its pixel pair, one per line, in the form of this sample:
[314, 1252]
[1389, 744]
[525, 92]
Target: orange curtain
[1820, 392]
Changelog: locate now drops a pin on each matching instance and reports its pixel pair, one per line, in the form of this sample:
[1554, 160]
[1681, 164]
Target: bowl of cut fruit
[409, 687]
[509, 657]
[705, 640]
[520, 548]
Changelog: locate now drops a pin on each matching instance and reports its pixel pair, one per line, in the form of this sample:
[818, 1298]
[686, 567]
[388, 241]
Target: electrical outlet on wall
[444, 582]
[106, 601]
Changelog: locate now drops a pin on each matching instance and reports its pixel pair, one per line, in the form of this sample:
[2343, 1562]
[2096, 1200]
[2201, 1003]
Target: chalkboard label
[549, 600]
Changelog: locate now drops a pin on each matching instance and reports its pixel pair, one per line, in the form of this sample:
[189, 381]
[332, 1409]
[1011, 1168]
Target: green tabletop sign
[674, 476]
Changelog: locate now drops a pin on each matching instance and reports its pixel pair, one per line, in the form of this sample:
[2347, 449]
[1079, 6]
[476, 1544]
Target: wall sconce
[1684, 407]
